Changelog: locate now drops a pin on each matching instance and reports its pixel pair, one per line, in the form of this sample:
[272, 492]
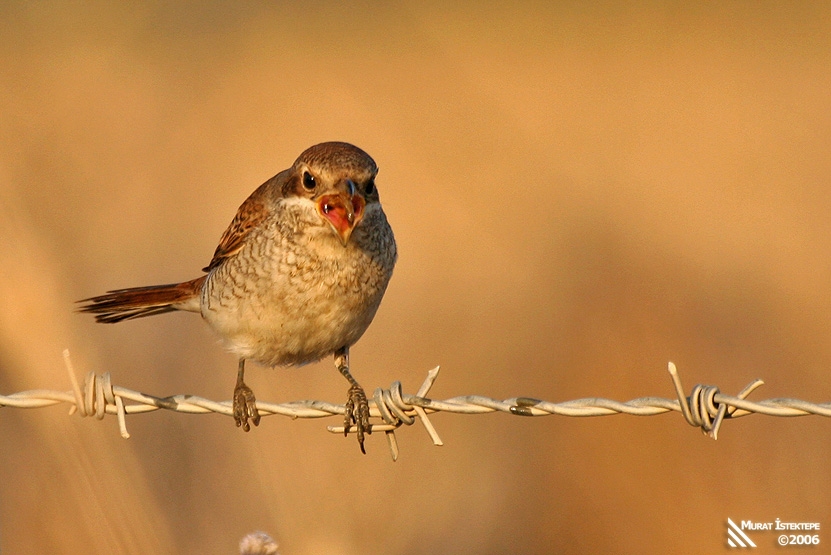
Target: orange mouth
[343, 212]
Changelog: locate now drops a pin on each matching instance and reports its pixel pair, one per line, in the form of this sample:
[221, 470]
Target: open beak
[343, 210]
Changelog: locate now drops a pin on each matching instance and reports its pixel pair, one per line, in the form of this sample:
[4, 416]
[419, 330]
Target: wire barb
[702, 404]
[391, 407]
[706, 407]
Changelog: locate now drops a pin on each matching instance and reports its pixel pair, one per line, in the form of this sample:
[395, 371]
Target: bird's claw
[245, 407]
[357, 412]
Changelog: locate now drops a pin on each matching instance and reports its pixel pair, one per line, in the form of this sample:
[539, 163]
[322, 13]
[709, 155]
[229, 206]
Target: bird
[297, 276]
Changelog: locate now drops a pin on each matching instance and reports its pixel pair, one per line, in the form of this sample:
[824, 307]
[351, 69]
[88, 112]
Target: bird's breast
[293, 296]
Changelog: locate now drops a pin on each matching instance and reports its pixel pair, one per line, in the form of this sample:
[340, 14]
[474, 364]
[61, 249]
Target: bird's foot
[245, 406]
[357, 412]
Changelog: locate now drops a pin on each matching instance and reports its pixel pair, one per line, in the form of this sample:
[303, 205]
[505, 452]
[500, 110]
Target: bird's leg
[245, 405]
[357, 407]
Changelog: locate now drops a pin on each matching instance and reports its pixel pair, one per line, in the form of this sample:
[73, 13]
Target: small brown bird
[297, 276]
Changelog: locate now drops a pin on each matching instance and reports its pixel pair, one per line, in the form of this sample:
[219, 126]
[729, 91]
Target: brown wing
[250, 214]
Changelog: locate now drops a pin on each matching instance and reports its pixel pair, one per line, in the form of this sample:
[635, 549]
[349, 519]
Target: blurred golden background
[580, 194]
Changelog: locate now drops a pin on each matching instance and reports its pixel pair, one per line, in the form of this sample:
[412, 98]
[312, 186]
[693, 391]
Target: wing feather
[250, 214]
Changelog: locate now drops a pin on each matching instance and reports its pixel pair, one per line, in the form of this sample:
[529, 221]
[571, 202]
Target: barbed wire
[705, 408]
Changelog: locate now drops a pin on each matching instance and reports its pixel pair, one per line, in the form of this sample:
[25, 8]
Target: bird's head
[339, 178]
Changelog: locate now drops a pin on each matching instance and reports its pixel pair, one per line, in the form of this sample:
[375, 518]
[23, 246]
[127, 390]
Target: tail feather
[137, 302]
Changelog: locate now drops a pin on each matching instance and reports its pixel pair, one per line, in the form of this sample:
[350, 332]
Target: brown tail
[137, 302]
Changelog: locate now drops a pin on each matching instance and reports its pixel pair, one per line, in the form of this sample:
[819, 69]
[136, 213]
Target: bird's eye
[308, 181]
[370, 187]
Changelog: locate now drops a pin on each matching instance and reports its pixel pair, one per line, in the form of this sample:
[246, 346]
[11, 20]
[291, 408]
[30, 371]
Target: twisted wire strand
[706, 407]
